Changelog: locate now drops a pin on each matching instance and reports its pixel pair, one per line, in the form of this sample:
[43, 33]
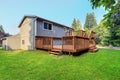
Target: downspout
[35, 34]
[35, 26]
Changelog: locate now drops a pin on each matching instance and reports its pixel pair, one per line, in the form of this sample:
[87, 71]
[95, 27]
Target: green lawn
[39, 65]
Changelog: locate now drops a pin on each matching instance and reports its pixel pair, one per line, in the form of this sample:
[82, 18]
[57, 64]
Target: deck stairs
[55, 51]
[93, 48]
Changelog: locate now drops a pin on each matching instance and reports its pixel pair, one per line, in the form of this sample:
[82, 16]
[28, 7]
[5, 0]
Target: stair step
[54, 52]
[57, 50]
[93, 50]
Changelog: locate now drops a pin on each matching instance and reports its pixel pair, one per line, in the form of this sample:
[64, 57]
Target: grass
[39, 65]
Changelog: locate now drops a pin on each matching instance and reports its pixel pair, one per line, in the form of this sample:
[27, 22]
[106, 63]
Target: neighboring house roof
[4, 38]
[3, 34]
[39, 18]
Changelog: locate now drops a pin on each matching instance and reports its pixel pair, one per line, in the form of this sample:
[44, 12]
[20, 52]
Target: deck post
[62, 43]
[51, 43]
[74, 43]
[69, 53]
[35, 42]
[43, 42]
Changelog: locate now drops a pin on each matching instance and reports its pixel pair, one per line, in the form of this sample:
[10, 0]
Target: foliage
[108, 4]
[1, 29]
[2, 33]
[40, 65]
[90, 21]
[102, 34]
[112, 18]
[114, 35]
[88, 31]
[76, 25]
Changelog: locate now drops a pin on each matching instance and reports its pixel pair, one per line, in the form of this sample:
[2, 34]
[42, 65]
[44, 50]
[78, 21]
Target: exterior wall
[55, 32]
[4, 44]
[12, 43]
[27, 34]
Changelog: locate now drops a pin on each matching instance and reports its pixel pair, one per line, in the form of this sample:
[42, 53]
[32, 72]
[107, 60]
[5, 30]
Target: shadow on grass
[80, 53]
[75, 54]
[68, 54]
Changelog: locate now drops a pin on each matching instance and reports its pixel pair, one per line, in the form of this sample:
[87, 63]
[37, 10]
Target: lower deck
[70, 44]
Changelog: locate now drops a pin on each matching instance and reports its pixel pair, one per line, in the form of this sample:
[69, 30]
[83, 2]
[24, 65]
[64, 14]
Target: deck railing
[67, 43]
[43, 42]
[75, 43]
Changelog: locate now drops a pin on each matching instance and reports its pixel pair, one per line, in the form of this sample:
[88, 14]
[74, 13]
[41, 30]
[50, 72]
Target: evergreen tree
[90, 21]
[79, 26]
[1, 29]
[76, 25]
[2, 33]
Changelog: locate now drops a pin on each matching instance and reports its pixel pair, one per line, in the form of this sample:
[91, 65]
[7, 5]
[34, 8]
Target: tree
[2, 33]
[90, 21]
[102, 34]
[76, 25]
[112, 18]
[112, 6]
[79, 26]
[1, 29]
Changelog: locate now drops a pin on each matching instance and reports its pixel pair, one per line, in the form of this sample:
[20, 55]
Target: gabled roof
[39, 18]
[25, 18]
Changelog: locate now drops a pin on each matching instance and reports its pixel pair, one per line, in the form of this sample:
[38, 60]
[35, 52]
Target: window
[50, 27]
[47, 26]
[23, 42]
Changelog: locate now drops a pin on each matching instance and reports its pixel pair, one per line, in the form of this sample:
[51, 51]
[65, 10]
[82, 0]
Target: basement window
[23, 42]
[47, 26]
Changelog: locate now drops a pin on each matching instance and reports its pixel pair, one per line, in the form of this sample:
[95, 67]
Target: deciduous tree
[111, 19]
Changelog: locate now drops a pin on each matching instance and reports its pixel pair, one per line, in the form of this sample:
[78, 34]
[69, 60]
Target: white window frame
[47, 23]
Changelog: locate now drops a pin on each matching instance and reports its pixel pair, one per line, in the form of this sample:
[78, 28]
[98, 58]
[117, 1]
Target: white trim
[35, 27]
[48, 23]
[35, 34]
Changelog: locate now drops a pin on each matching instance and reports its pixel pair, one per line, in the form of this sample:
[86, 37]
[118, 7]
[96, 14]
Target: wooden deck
[75, 44]
[70, 44]
[57, 47]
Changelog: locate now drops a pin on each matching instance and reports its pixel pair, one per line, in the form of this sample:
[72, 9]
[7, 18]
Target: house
[11, 42]
[39, 33]
[32, 27]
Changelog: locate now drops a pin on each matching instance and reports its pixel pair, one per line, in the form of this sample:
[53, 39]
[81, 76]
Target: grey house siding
[55, 32]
